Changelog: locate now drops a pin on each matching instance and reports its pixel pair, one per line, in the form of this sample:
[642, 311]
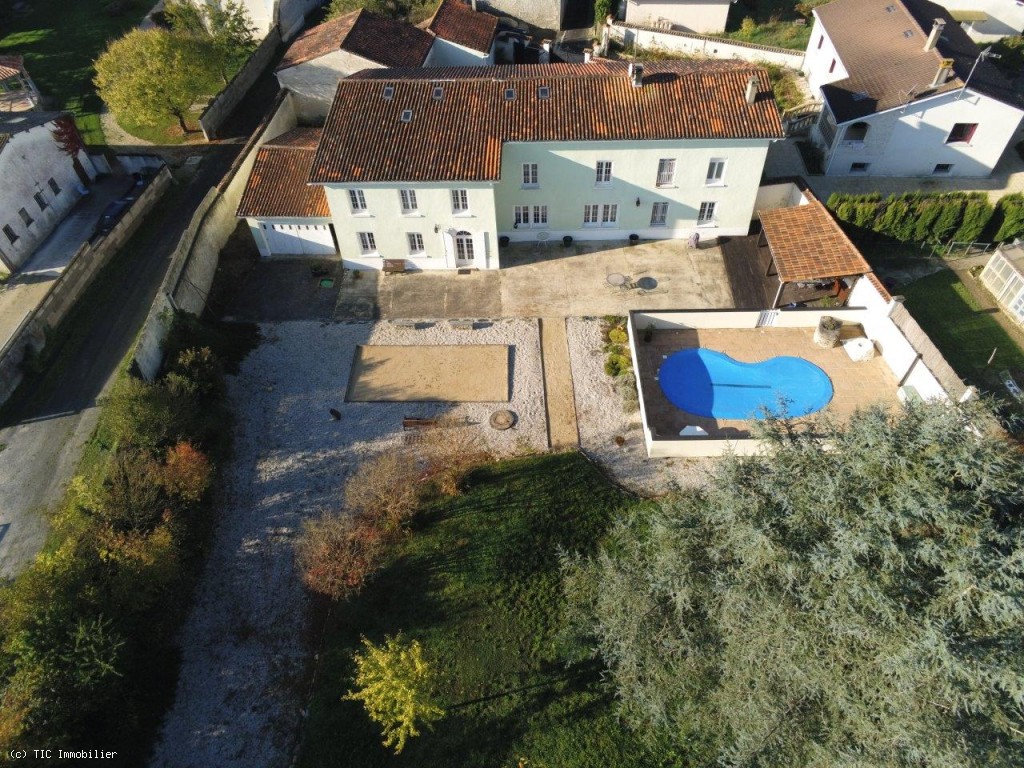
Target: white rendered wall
[1005, 17]
[912, 142]
[27, 162]
[389, 226]
[567, 174]
[818, 60]
[702, 16]
[444, 53]
[316, 81]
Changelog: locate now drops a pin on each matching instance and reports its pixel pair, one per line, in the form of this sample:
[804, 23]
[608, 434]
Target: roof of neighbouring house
[277, 186]
[807, 243]
[881, 44]
[16, 122]
[459, 117]
[390, 42]
[457, 23]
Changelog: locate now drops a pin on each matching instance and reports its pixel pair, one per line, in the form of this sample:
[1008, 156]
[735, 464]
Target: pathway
[558, 392]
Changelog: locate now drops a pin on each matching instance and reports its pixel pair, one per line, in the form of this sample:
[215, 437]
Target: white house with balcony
[433, 167]
[905, 92]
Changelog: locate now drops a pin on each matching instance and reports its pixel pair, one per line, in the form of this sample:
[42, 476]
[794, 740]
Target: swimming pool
[709, 383]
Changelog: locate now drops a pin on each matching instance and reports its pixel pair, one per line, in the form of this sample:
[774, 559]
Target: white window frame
[659, 214]
[460, 202]
[716, 172]
[603, 173]
[591, 215]
[357, 202]
[54, 186]
[531, 177]
[521, 216]
[610, 215]
[415, 242]
[407, 199]
[367, 243]
[540, 216]
[40, 201]
[464, 247]
[707, 215]
[666, 172]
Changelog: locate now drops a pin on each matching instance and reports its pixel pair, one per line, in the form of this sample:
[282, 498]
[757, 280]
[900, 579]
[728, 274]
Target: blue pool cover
[709, 383]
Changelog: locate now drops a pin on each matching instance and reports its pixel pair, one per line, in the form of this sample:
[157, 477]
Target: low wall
[224, 103]
[703, 45]
[785, 194]
[193, 265]
[67, 289]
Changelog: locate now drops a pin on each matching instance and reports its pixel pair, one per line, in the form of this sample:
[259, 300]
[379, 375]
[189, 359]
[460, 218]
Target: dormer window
[543, 92]
[406, 116]
[438, 93]
[510, 94]
[389, 92]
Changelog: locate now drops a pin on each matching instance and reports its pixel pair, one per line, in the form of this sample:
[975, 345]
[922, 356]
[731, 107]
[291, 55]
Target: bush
[385, 489]
[618, 335]
[915, 216]
[617, 365]
[1010, 214]
[337, 554]
[187, 472]
[977, 214]
[451, 451]
[196, 373]
[132, 500]
[145, 415]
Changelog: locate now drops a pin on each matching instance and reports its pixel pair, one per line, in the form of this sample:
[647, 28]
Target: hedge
[1010, 217]
[917, 216]
[86, 631]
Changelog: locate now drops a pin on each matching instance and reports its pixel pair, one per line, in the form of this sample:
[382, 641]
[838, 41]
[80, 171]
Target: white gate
[767, 318]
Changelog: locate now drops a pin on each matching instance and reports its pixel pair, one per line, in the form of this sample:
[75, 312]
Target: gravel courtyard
[243, 657]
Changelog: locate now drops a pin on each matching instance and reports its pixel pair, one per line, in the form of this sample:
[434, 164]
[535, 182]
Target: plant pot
[634, 239]
[827, 333]
[503, 241]
[567, 241]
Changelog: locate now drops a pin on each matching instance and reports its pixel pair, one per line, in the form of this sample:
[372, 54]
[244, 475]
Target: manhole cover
[502, 419]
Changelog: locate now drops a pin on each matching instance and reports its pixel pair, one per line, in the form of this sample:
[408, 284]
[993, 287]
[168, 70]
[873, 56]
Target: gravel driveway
[240, 688]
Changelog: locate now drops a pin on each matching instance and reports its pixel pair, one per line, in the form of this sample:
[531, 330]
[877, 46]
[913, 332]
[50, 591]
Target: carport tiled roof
[450, 124]
[456, 22]
[881, 45]
[389, 42]
[807, 244]
[277, 186]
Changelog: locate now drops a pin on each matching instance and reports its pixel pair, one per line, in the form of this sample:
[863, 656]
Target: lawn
[60, 40]
[477, 584]
[776, 23]
[963, 331]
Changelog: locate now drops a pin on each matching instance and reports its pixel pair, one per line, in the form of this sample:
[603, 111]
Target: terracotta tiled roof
[10, 66]
[881, 45]
[389, 42]
[807, 243]
[459, 135]
[277, 185]
[457, 23]
[4, 138]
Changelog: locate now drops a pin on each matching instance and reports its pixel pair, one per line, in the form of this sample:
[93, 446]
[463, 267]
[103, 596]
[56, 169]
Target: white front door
[464, 250]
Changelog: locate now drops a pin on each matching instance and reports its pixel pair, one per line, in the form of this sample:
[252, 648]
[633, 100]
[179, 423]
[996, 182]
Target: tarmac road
[42, 444]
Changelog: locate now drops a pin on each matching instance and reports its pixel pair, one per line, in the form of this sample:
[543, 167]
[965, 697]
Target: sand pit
[453, 374]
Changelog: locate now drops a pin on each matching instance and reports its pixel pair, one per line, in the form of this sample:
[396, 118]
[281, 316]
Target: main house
[435, 166]
[905, 92]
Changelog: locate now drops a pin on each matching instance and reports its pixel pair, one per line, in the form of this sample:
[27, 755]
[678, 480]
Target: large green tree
[852, 597]
[226, 25]
[151, 74]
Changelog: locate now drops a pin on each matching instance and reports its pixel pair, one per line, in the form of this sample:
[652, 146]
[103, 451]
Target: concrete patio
[547, 280]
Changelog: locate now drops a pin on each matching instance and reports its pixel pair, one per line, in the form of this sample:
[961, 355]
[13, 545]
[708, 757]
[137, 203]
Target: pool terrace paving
[855, 384]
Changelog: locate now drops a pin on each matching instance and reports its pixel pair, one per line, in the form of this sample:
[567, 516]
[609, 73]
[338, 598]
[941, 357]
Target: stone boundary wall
[190, 275]
[224, 103]
[704, 45]
[67, 289]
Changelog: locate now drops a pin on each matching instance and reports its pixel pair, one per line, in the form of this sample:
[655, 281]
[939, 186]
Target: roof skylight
[389, 92]
[543, 92]
[510, 94]
[406, 116]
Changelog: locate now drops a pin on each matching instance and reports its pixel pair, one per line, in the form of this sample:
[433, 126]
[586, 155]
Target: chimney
[945, 70]
[636, 74]
[588, 54]
[933, 39]
[545, 55]
[753, 86]
[473, 3]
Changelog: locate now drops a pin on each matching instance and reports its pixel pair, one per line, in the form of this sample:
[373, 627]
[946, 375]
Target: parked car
[111, 215]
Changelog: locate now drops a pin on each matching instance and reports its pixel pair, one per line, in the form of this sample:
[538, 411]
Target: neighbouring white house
[987, 20]
[432, 167]
[40, 183]
[17, 91]
[700, 16]
[314, 63]
[905, 92]
[1004, 278]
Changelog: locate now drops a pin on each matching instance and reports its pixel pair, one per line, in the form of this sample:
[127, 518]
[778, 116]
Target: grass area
[60, 41]
[962, 329]
[779, 34]
[768, 22]
[167, 131]
[477, 583]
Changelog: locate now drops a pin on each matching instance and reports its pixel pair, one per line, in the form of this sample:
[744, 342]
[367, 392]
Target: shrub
[337, 554]
[618, 335]
[385, 489]
[976, 217]
[393, 682]
[187, 472]
[1010, 211]
[616, 365]
[451, 451]
[196, 373]
[132, 499]
[143, 414]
